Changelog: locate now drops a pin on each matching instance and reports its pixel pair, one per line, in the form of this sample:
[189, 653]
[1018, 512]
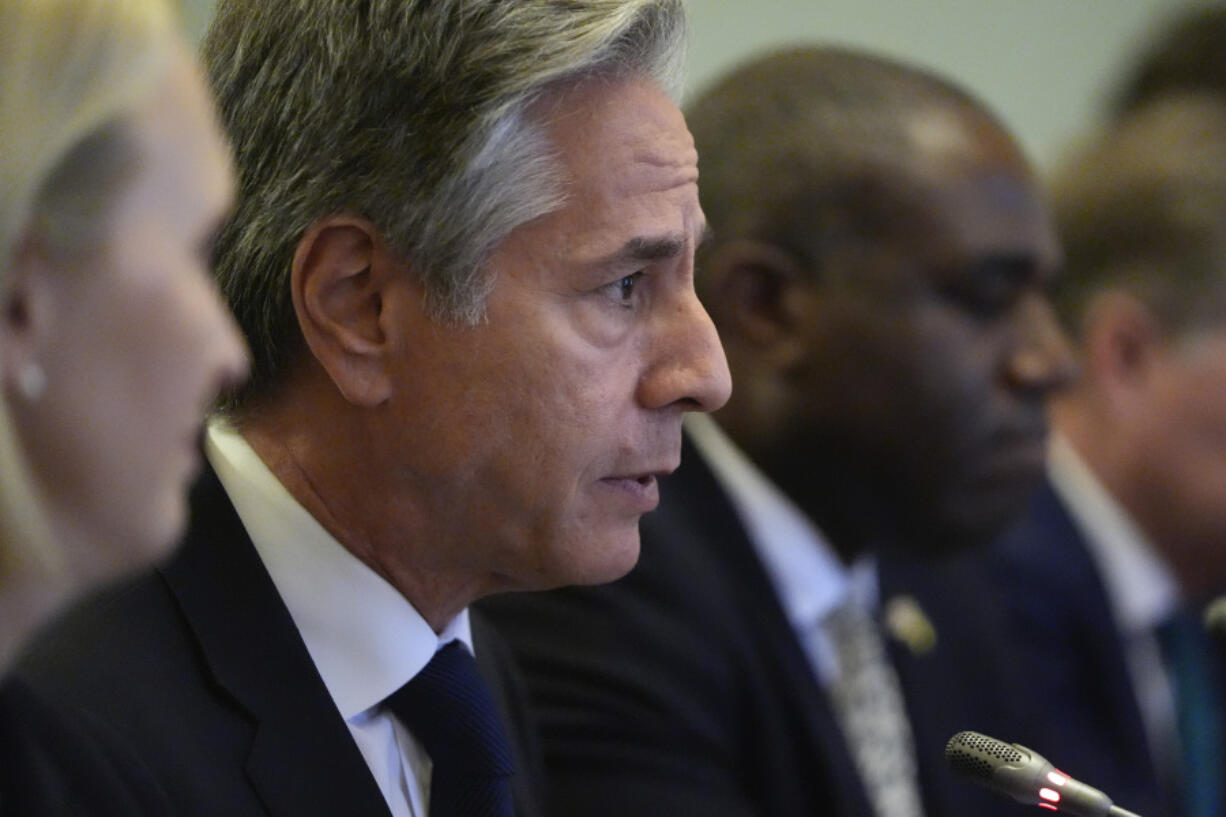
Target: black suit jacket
[199, 671]
[683, 690]
[57, 766]
[1067, 631]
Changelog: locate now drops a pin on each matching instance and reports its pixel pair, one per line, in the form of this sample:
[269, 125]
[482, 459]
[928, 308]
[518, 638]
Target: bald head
[812, 146]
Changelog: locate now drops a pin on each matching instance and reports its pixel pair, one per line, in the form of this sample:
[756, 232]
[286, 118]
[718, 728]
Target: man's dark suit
[57, 766]
[199, 670]
[683, 690]
[1066, 627]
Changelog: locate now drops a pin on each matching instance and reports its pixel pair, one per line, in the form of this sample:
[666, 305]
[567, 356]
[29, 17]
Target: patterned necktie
[1198, 713]
[449, 709]
[869, 706]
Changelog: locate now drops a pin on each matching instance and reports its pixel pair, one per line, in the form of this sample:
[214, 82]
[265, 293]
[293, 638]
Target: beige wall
[1044, 65]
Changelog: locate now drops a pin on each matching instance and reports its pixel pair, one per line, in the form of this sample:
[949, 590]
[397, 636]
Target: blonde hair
[70, 71]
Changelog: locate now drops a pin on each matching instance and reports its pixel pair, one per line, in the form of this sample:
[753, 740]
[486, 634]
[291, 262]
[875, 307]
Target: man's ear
[1123, 341]
[27, 310]
[762, 296]
[340, 276]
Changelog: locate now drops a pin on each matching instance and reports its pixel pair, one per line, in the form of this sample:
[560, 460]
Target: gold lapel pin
[905, 621]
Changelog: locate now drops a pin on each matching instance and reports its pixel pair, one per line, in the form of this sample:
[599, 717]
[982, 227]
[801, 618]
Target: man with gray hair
[463, 258]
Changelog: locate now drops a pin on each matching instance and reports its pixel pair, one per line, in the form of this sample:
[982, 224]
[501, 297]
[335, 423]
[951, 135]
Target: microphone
[1024, 775]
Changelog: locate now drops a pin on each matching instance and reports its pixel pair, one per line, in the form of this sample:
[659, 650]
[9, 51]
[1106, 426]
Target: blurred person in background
[1187, 53]
[114, 177]
[876, 270]
[1125, 542]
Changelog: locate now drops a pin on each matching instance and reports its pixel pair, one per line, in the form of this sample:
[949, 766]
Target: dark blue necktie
[1198, 706]
[449, 709]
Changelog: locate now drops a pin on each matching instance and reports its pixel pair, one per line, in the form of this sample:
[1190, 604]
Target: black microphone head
[977, 756]
[1023, 774]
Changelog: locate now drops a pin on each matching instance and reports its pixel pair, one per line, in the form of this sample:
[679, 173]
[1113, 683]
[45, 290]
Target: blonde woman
[113, 178]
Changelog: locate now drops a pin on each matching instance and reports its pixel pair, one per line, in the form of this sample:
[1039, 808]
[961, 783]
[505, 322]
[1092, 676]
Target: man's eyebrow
[1020, 267]
[645, 249]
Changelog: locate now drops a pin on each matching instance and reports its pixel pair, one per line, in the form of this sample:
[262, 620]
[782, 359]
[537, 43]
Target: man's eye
[622, 290]
[985, 300]
[991, 288]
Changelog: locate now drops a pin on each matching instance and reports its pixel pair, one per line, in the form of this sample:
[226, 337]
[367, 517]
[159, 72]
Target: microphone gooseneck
[1026, 776]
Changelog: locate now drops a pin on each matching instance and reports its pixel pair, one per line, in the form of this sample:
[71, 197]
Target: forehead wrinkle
[684, 161]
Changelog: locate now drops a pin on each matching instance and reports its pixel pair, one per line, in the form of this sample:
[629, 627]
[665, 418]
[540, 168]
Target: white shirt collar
[807, 574]
[365, 638]
[1140, 584]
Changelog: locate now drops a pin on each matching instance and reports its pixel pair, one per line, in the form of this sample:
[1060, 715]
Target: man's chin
[601, 559]
[607, 561]
[597, 560]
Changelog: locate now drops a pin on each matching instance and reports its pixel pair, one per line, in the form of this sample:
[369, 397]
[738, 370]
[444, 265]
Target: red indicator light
[1048, 806]
[1056, 778]
[1049, 795]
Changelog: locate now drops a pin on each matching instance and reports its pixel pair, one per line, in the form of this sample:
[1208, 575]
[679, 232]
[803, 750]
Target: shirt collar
[807, 574]
[365, 638]
[1140, 584]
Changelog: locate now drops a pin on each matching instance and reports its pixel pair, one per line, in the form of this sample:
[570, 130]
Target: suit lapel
[966, 680]
[303, 760]
[1097, 634]
[1090, 721]
[714, 524]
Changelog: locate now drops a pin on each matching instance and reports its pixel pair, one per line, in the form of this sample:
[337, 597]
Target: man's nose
[1041, 358]
[690, 370]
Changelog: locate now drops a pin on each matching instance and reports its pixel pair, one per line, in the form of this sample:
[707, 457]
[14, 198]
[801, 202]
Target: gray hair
[413, 114]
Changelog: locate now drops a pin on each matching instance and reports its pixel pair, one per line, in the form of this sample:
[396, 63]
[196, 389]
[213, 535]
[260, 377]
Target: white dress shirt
[809, 578]
[1140, 588]
[365, 638]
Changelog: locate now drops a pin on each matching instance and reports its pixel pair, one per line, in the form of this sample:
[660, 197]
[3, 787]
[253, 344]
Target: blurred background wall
[1046, 66]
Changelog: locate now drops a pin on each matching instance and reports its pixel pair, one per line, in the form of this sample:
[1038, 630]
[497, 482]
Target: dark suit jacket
[53, 766]
[199, 671]
[1065, 626]
[683, 690]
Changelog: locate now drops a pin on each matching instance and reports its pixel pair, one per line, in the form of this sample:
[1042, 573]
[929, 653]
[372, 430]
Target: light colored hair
[412, 114]
[70, 70]
[1142, 208]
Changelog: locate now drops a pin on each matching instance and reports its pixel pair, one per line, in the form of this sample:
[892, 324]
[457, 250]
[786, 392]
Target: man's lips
[1017, 457]
[640, 490]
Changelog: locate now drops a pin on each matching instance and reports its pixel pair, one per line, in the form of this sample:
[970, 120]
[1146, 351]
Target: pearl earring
[31, 381]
